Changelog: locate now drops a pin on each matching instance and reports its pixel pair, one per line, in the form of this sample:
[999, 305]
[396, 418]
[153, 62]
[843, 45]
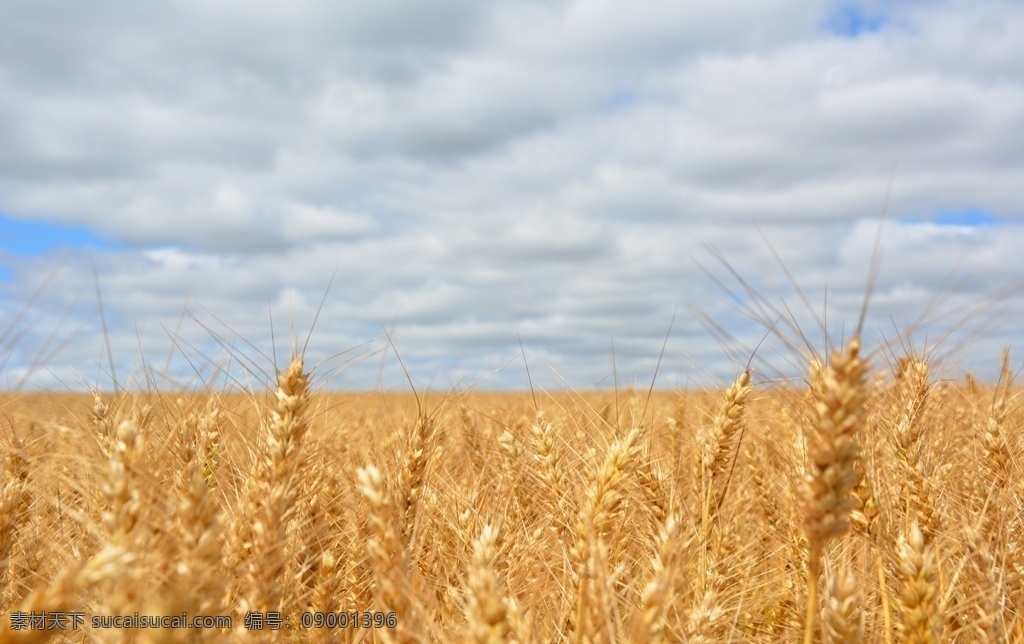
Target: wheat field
[868, 501]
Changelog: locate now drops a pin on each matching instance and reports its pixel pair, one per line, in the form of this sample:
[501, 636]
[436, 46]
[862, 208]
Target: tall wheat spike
[839, 395]
[280, 484]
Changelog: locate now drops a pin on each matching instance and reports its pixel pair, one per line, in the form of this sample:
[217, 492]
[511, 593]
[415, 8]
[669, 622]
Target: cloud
[476, 173]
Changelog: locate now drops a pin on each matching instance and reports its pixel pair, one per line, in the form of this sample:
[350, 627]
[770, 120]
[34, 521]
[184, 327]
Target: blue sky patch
[620, 98]
[33, 238]
[965, 217]
[969, 217]
[851, 21]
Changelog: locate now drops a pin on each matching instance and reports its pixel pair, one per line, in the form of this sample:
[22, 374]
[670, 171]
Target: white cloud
[477, 172]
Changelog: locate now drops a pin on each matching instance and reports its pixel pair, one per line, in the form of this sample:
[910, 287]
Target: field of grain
[868, 502]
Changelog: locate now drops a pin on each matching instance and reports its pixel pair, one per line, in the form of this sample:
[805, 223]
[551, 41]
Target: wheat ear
[723, 441]
[839, 393]
[545, 455]
[656, 597]
[919, 596]
[280, 487]
[14, 505]
[486, 607]
[842, 609]
[386, 552]
[413, 475]
[600, 508]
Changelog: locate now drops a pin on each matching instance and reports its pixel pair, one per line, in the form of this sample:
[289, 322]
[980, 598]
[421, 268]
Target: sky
[492, 190]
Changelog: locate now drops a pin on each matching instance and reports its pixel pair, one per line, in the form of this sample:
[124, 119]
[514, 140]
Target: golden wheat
[487, 521]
